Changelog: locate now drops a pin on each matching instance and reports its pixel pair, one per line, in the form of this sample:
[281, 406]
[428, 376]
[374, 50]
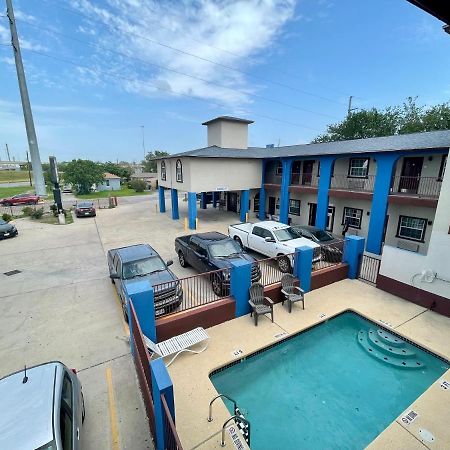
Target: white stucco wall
[212, 174]
[404, 266]
[114, 185]
[227, 134]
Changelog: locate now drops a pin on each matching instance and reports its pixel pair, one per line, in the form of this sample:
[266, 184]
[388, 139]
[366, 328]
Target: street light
[143, 139]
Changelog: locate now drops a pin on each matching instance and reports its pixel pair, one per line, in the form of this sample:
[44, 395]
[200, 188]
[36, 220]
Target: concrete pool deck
[194, 391]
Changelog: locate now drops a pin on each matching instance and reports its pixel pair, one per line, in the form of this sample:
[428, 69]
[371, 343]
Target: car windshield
[224, 249]
[143, 267]
[84, 205]
[322, 236]
[49, 446]
[286, 234]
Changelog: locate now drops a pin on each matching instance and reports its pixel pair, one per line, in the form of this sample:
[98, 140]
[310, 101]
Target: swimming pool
[337, 385]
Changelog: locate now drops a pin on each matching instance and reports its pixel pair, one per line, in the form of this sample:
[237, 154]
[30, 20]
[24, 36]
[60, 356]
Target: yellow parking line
[112, 411]
[124, 324]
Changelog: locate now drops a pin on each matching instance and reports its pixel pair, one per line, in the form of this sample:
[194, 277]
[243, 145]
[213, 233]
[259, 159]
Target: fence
[304, 179]
[142, 364]
[190, 292]
[421, 186]
[172, 441]
[339, 181]
[369, 268]
[273, 269]
[330, 255]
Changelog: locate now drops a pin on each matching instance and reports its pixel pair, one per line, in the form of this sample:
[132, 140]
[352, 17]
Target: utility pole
[7, 152]
[38, 175]
[350, 109]
[29, 171]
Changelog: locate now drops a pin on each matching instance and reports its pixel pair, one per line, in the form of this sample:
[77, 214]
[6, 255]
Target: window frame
[424, 230]
[442, 167]
[296, 207]
[179, 171]
[279, 169]
[163, 171]
[349, 174]
[344, 216]
[256, 202]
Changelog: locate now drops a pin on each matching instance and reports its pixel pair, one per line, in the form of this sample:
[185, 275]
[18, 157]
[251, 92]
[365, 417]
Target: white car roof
[26, 409]
[271, 225]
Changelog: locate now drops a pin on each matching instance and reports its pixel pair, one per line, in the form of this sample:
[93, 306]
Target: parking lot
[61, 306]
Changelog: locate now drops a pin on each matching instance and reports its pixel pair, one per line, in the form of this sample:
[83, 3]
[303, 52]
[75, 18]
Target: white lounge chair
[178, 344]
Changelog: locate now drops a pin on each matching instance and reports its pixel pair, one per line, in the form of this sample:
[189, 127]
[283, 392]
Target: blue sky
[99, 70]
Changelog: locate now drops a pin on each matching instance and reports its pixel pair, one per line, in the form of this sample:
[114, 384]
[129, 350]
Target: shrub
[7, 217]
[54, 209]
[138, 185]
[37, 213]
[27, 211]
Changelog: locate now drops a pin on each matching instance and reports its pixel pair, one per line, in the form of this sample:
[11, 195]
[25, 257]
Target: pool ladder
[242, 423]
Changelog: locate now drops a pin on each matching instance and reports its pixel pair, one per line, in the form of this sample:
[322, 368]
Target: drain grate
[12, 272]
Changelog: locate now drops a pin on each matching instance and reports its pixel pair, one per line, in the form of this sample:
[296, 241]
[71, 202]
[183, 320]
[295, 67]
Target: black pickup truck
[211, 251]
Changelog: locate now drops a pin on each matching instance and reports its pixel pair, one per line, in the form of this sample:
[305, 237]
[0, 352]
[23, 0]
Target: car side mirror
[169, 263]
[114, 276]
[269, 239]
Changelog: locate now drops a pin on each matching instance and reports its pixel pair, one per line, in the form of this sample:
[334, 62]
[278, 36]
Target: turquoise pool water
[328, 387]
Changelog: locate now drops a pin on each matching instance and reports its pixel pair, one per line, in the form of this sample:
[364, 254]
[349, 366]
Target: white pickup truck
[272, 239]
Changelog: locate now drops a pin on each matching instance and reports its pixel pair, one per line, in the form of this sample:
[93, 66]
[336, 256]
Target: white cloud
[235, 33]
[8, 60]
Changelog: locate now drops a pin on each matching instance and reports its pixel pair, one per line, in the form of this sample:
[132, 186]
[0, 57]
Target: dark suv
[137, 262]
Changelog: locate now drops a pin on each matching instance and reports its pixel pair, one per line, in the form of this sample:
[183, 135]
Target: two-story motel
[386, 189]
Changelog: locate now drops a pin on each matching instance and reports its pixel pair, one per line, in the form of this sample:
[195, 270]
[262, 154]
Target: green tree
[407, 118]
[82, 174]
[138, 185]
[149, 163]
[123, 172]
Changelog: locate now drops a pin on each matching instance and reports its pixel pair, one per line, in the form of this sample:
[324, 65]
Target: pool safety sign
[409, 417]
[235, 438]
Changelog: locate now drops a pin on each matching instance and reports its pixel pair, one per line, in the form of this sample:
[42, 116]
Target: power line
[225, 66]
[159, 66]
[159, 88]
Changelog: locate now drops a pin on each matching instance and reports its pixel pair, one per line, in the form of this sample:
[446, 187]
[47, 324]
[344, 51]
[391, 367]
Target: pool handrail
[214, 399]
[237, 418]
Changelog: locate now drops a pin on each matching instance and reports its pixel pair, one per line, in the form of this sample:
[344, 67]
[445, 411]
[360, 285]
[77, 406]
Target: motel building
[386, 189]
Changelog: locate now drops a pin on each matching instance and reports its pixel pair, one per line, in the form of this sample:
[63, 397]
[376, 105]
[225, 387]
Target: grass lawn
[51, 219]
[10, 191]
[13, 176]
[124, 192]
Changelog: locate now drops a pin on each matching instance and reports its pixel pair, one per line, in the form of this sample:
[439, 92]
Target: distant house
[111, 182]
[149, 177]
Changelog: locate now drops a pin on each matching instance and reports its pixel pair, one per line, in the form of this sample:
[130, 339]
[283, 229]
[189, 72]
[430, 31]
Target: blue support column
[385, 168]
[303, 266]
[215, 198]
[262, 193]
[162, 200]
[141, 294]
[353, 249]
[161, 384]
[326, 169]
[245, 199]
[241, 278]
[192, 210]
[174, 198]
[284, 194]
[203, 200]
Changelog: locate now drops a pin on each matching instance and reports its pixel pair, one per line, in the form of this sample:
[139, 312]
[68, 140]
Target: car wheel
[182, 259]
[238, 240]
[217, 286]
[284, 264]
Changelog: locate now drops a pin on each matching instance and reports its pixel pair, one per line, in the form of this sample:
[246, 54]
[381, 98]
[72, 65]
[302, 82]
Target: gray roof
[228, 119]
[145, 175]
[414, 141]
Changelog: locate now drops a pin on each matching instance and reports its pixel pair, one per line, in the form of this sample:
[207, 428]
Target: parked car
[211, 251]
[272, 239]
[85, 209]
[332, 246]
[20, 199]
[42, 408]
[137, 262]
[7, 230]
[67, 189]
